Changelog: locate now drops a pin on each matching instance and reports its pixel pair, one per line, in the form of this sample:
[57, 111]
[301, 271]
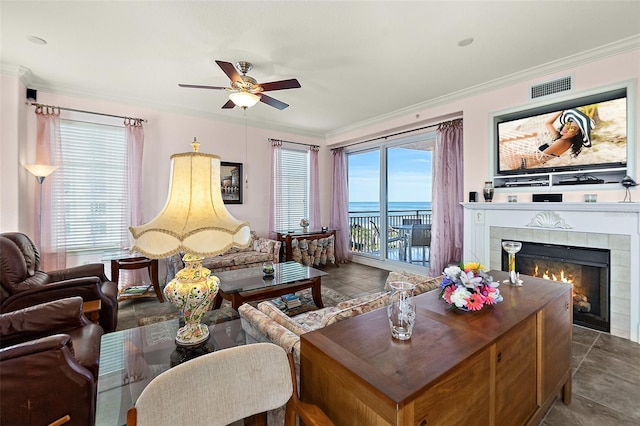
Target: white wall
[12, 138]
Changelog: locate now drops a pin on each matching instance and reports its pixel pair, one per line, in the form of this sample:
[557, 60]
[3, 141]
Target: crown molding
[612, 49]
[24, 74]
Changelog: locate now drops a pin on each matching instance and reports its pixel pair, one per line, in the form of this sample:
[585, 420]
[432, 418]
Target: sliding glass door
[409, 201]
[396, 175]
[364, 201]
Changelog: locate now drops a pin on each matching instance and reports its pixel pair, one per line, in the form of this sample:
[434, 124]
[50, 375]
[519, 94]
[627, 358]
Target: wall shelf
[565, 181]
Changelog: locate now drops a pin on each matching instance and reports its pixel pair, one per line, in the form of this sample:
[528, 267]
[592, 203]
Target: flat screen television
[580, 134]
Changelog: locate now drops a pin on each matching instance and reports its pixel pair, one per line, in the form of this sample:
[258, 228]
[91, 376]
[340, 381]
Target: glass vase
[401, 310]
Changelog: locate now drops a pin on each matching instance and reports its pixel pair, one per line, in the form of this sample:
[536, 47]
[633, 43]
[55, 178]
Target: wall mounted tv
[580, 134]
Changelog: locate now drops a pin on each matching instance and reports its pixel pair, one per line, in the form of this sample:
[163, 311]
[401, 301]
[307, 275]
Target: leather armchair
[49, 357]
[22, 284]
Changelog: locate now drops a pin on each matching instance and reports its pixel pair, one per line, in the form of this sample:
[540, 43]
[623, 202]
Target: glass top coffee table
[130, 359]
[249, 284]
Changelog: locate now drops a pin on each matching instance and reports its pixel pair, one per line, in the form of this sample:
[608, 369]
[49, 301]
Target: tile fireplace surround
[613, 226]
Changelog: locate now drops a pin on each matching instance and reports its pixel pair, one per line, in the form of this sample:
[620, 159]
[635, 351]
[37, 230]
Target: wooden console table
[286, 252]
[503, 365]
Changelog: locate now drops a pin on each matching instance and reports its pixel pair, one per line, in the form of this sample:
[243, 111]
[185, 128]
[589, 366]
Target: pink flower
[447, 293]
[475, 301]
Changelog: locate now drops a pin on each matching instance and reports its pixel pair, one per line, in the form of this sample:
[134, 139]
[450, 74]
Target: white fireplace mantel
[613, 226]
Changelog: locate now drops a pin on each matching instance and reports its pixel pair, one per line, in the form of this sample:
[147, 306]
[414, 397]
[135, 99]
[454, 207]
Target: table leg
[217, 300]
[316, 292]
[153, 274]
[115, 271]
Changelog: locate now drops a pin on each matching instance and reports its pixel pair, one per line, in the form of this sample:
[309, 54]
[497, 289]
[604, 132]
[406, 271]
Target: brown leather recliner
[23, 285]
[49, 357]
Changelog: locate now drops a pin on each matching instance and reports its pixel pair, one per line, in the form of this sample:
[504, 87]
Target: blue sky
[409, 176]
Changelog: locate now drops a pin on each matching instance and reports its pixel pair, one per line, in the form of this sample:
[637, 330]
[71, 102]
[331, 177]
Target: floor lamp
[40, 171]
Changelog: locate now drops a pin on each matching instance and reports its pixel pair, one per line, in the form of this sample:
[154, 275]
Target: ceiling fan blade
[197, 86]
[280, 85]
[273, 102]
[228, 105]
[230, 70]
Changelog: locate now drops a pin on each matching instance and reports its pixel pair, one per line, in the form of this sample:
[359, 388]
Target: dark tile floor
[606, 369]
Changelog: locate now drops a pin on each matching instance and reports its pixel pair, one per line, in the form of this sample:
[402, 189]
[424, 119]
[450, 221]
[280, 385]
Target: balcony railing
[365, 228]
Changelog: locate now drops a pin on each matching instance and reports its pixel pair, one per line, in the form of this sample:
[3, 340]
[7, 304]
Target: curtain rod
[87, 112]
[394, 134]
[295, 143]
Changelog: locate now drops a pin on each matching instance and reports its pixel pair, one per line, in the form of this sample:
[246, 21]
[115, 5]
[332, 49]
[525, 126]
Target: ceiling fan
[246, 89]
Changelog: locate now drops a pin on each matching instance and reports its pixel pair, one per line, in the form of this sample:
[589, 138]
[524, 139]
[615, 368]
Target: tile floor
[606, 369]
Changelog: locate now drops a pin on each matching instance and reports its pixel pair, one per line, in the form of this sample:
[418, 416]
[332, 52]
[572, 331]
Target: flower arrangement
[468, 287]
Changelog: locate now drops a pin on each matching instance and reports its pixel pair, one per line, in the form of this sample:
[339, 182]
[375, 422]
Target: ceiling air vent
[564, 84]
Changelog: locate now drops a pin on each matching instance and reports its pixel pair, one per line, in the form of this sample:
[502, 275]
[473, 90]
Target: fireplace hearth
[587, 269]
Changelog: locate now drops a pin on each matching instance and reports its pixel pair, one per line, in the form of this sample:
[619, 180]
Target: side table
[130, 261]
[91, 309]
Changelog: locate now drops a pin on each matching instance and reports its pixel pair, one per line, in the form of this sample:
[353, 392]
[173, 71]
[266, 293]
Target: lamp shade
[40, 170]
[244, 99]
[194, 219]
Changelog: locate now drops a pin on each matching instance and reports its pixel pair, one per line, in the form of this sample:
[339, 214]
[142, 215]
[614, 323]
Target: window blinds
[95, 185]
[294, 189]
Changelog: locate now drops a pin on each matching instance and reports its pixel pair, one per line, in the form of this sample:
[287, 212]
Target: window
[293, 203]
[95, 194]
[397, 176]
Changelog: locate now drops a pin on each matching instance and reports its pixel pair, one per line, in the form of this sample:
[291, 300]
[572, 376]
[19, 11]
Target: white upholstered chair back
[218, 388]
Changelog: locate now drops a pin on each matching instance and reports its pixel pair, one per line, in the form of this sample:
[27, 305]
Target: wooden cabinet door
[556, 327]
[515, 361]
[461, 398]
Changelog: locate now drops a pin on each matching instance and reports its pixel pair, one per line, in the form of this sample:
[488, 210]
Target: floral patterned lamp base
[192, 291]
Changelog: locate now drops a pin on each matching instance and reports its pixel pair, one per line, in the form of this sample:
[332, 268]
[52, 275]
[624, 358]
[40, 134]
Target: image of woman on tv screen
[574, 134]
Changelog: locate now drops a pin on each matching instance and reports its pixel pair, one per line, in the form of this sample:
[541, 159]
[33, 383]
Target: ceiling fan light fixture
[244, 99]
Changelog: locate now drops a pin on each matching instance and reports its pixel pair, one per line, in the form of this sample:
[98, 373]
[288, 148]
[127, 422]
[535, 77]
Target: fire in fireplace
[587, 269]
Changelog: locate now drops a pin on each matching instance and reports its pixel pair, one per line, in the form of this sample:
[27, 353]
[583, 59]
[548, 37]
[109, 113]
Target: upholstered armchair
[49, 357]
[22, 284]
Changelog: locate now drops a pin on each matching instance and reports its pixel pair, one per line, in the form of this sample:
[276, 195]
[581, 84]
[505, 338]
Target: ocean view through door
[398, 176]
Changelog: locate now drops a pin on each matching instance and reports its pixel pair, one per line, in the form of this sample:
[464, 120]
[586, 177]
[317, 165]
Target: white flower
[493, 284]
[469, 280]
[459, 295]
[452, 271]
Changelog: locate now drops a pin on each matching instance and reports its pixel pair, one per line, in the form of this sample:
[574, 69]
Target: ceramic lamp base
[192, 291]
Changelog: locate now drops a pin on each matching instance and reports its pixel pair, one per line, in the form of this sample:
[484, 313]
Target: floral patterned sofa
[259, 251]
[266, 323]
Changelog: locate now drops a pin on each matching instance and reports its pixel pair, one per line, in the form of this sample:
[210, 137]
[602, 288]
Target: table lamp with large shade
[196, 222]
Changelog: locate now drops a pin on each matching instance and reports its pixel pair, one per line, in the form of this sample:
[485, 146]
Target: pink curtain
[53, 254]
[340, 206]
[135, 143]
[447, 232]
[315, 221]
[276, 195]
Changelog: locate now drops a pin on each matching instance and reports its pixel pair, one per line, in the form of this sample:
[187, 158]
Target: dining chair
[393, 236]
[223, 387]
[420, 237]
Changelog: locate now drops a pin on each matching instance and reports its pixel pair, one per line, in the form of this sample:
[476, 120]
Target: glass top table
[250, 284]
[130, 359]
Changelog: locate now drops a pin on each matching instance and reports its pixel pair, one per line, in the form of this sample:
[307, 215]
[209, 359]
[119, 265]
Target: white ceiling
[356, 61]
